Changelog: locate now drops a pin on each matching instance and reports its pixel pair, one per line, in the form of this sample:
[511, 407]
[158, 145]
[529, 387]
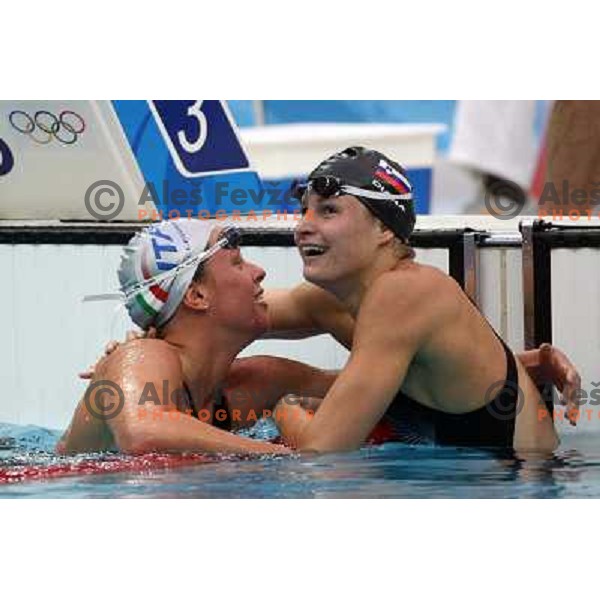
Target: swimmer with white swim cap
[189, 280]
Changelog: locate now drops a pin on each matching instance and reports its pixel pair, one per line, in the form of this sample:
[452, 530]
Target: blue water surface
[388, 471]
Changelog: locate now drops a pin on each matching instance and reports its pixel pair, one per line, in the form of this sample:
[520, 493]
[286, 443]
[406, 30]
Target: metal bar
[470, 266]
[528, 284]
[537, 284]
[497, 240]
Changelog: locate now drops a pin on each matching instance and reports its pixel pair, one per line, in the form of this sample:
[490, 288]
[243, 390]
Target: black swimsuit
[492, 425]
[406, 420]
[225, 423]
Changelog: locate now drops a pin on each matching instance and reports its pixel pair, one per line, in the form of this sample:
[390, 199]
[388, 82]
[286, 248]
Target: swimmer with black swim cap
[381, 184]
[385, 195]
[422, 355]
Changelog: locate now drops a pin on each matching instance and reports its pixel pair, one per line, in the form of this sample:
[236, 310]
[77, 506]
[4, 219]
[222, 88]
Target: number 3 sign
[200, 135]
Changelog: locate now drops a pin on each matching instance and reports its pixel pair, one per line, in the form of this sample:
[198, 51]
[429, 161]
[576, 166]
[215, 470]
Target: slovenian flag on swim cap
[396, 180]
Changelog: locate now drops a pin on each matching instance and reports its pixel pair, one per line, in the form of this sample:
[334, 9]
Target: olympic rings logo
[65, 128]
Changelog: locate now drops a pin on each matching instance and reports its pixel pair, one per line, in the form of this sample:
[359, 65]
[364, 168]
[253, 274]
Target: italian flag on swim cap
[159, 251]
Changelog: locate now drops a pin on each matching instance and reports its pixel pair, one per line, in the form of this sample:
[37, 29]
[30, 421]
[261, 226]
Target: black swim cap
[378, 182]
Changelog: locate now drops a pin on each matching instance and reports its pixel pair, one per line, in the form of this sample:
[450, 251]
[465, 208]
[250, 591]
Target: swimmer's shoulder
[413, 289]
[416, 279]
[146, 355]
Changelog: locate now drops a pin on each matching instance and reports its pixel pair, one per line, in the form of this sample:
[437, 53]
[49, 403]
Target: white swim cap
[158, 265]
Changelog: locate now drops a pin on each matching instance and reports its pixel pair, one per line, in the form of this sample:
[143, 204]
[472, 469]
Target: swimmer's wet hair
[199, 273]
[401, 247]
[197, 278]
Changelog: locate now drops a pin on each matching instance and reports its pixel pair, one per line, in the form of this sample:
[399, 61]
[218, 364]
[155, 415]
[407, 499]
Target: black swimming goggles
[327, 186]
[324, 186]
[229, 238]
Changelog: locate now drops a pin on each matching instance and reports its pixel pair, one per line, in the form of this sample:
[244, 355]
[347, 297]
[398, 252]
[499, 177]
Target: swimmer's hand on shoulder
[113, 345]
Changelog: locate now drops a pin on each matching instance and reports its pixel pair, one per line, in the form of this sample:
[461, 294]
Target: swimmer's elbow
[129, 444]
[131, 439]
[304, 443]
[134, 446]
[311, 444]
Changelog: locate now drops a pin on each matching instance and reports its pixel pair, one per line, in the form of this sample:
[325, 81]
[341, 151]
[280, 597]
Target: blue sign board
[191, 158]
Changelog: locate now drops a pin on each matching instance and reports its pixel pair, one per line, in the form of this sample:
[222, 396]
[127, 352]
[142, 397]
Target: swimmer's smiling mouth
[312, 250]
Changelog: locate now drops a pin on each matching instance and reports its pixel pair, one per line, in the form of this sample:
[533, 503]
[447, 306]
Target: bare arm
[378, 364]
[188, 434]
[255, 384]
[144, 425]
[307, 310]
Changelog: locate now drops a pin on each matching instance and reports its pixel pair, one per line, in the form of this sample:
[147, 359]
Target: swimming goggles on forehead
[329, 187]
[324, 186]
[229, 239]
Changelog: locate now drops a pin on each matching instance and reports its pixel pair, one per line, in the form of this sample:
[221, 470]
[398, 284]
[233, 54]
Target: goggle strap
[110, 296]
[192, 261]
[371, 195]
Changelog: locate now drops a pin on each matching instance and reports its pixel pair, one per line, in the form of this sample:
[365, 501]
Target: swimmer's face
[233, 289]
[337, 238]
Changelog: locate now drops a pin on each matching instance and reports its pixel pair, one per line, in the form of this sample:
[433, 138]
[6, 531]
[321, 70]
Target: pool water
[387, 471]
